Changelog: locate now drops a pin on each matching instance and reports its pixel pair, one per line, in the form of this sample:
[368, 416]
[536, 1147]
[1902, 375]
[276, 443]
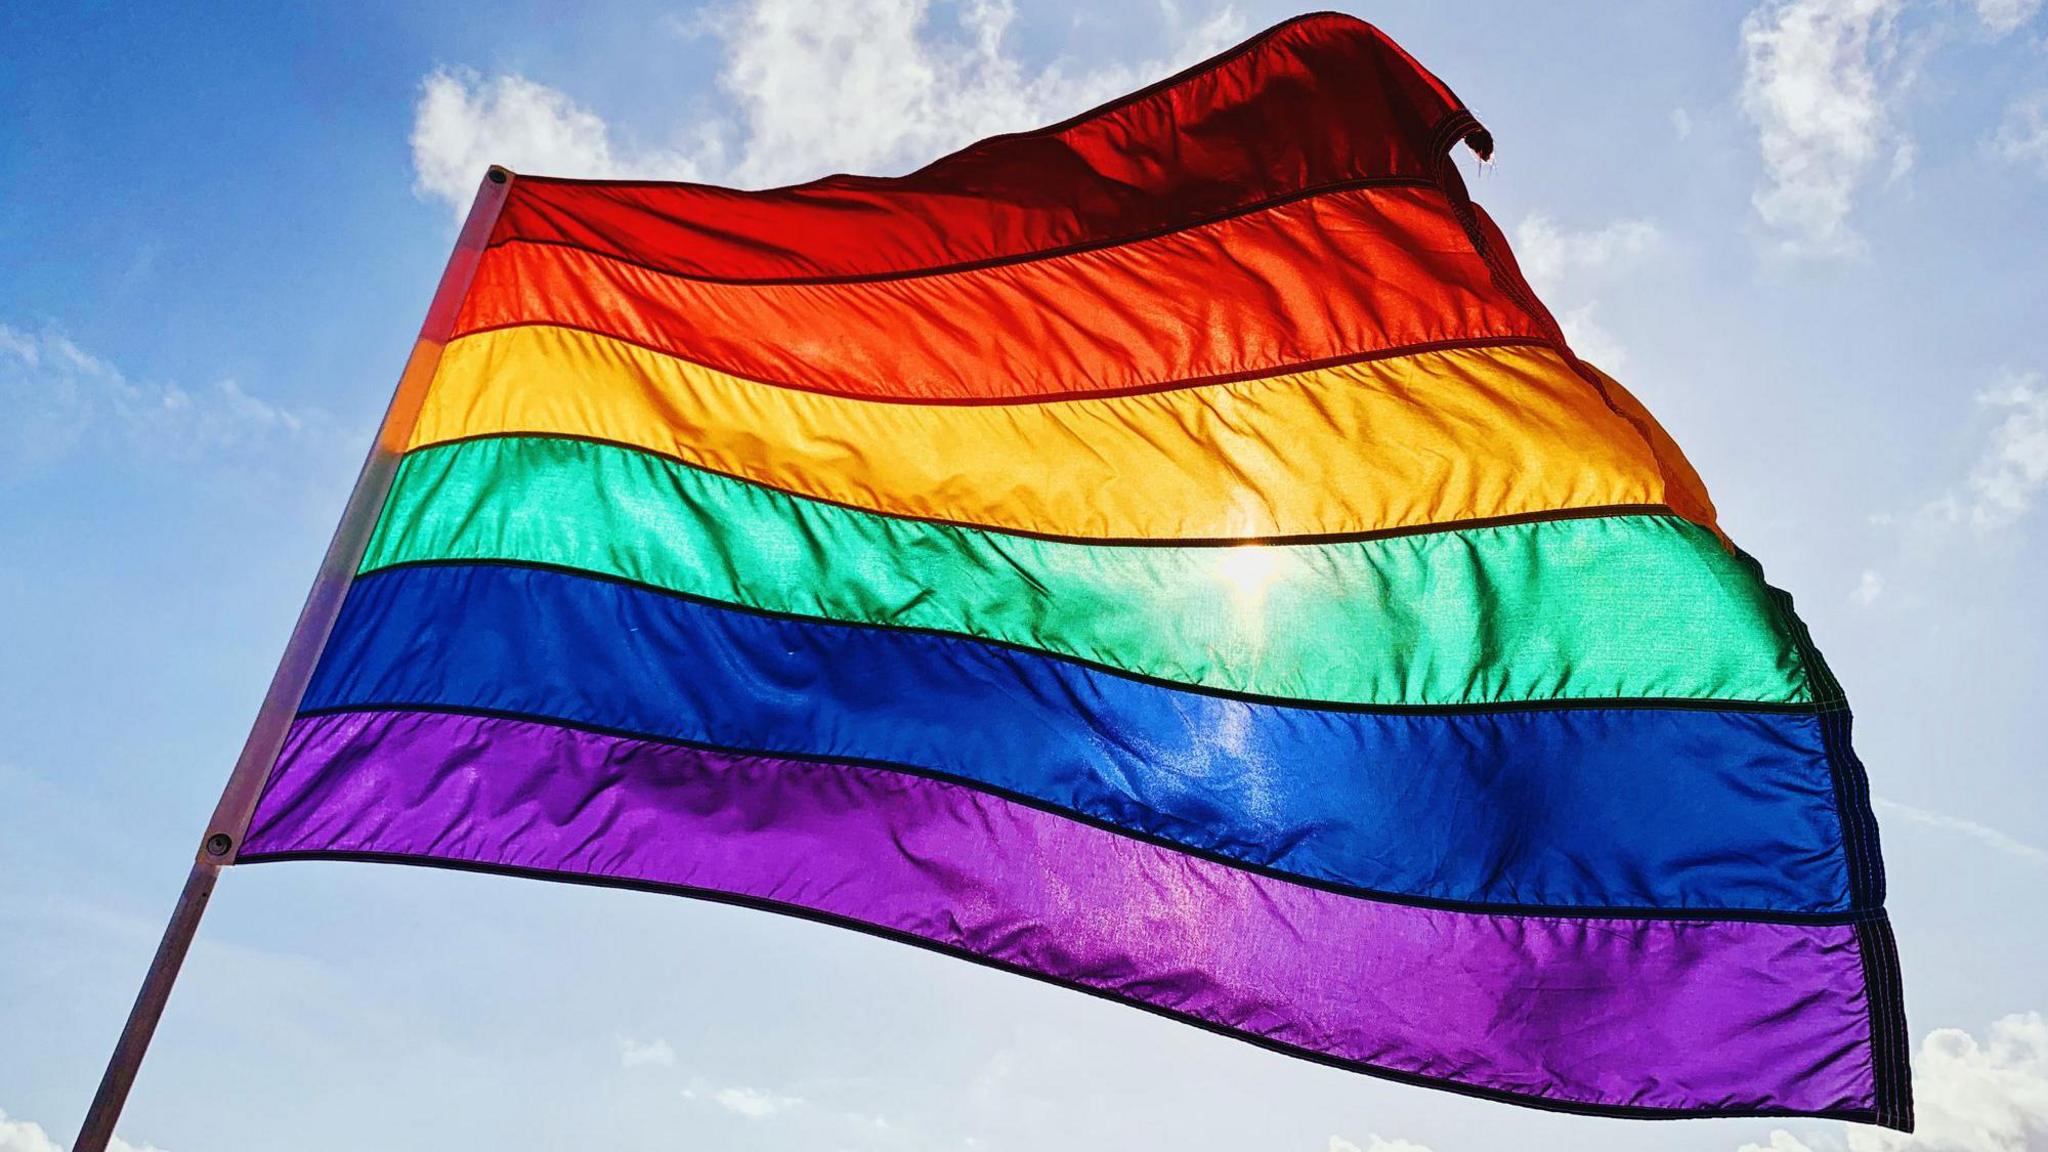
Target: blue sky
[1812, 234]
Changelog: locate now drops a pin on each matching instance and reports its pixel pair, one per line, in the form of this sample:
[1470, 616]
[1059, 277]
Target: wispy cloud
[1818, 81]
[753, 1103]
[1782, 1141]
[1375, 1143]
[872, 85]
[2022, 136]
[465, 122]
[2011, 468]
[17, 1135]
[866, 85]
[2014, 466]
[24, 1136]
[636, 1054]
[741, 1100]
[2003, 16]
[1984, 834]
[61, 399]
[1570, 267]
[1822, 81]
[1551, 256]
[1968, 1097]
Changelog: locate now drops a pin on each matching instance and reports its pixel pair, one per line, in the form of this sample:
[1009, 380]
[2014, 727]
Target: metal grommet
[497, 174]
[218, 844]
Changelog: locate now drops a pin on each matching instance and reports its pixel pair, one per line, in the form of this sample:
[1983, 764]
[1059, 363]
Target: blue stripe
[1668, 809]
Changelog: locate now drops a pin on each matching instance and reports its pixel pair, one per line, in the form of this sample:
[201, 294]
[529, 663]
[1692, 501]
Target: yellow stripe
[1394, 443]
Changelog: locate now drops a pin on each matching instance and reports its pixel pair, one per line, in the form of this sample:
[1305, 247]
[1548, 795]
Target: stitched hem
[1546, 1103]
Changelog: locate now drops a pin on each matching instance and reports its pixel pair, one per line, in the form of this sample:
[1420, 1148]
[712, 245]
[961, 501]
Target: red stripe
[1315, 102]
[1311, 281]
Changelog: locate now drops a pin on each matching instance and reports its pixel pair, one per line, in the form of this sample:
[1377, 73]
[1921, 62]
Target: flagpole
[222, 842]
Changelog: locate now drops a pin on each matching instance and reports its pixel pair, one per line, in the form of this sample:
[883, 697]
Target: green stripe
[1621, 606]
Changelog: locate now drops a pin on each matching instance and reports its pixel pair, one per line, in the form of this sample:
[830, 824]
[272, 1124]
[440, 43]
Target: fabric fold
[1602, 1014]
[1171, 553]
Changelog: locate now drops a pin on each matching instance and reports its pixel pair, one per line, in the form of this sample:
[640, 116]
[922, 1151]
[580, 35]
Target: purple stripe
[1685, 1015]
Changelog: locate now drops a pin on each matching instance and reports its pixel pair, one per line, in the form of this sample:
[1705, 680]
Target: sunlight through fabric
[1171, 554]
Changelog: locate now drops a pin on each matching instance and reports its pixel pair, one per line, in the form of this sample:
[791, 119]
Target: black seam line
[1556, 913]
[1508, 279]
[1891, 1083]
[1367, 535]
[1877, 1016]
[797, 911]
[1859, 823]
[1850, 780]
[1893, 1051]
[1130, 99]
[1890, 1042]
[1295, 703]
[1878, 981]
[1218, 379]
[1333, 187]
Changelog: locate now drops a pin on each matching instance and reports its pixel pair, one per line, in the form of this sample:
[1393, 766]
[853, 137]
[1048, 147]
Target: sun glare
[1249, 569]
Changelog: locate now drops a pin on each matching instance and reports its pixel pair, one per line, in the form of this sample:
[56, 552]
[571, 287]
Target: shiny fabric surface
[1609, 607]
[1405, 442]
[1310, 104]
[1311, 281]
[1171, 553]
[1594, 807]
[1701, 1012]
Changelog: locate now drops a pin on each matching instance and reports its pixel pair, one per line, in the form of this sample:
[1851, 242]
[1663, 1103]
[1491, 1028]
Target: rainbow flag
[1171, 554]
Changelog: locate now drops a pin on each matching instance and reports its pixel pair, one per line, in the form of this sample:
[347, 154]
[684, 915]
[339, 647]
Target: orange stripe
[1396, 443]
[1307, 282]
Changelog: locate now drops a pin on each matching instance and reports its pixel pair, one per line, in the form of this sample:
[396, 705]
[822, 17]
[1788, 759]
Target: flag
[1171, 554]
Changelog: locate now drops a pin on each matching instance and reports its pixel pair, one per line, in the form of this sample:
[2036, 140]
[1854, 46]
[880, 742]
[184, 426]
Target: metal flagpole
[223, 839]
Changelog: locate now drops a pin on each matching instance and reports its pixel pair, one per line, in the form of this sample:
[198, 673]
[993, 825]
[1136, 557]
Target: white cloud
[753, 1103]
[24, 1136]
[1968, 1097]
[1375, 1144]
[1971, 1097]
[1590, 340]
[738, 1099]
[869, 85]
[2003, 16]
[2014, 466]
[18, 1135]
[1822, 80]
[1818, 82]
[1903, 158]
[635, 1054]
[1868, 589]
[1783, 1141]
[465, 122]
[1984, 834]
[866, 85]
[1567, 265]
[1551, 256]
[1681, 123]
[741, 1100]
[61, 399]
[2011, 468]
[2022, 136]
